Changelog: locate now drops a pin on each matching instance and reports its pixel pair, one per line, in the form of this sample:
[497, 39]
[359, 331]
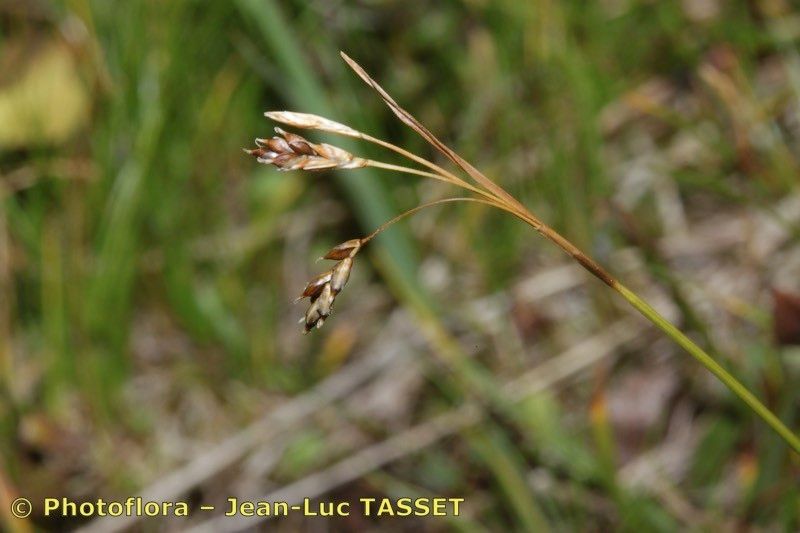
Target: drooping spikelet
[323, 289]
[293, 152]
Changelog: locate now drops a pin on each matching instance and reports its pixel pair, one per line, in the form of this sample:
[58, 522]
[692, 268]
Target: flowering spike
[323, 289]
[290, 151]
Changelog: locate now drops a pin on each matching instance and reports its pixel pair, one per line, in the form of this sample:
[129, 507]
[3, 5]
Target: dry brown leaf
[786, 317]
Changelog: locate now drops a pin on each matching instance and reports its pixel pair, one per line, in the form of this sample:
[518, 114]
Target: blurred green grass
[145, 246]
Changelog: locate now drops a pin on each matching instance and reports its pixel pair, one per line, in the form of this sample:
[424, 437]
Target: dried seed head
[323, 289]
[293, 152]
[346, 249]
[341, 273]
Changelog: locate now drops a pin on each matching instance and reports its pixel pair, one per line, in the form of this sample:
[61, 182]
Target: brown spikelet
[293, 152]
[323, 289]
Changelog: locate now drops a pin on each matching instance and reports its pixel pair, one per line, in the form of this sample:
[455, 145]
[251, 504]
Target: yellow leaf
[46, 104]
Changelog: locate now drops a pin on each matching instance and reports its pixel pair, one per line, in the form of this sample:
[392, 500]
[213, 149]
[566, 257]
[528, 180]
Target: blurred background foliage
[147, 266]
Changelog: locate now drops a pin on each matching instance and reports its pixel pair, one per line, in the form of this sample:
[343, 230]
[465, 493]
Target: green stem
[663, 324]
[707, 361]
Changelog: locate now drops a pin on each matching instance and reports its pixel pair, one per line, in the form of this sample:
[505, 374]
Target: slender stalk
[413, 157]
[666, 326]
[420, 207]
[707, 361]
[436, 176]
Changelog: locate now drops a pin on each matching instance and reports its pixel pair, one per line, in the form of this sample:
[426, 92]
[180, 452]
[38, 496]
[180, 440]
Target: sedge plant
[289, 151]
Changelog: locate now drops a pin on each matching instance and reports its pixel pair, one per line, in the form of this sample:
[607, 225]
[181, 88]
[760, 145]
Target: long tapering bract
[409, 119]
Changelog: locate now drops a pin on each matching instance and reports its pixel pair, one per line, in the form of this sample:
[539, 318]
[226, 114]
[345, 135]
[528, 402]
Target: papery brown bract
[346, 249]
[315, 286]
[307, 120]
